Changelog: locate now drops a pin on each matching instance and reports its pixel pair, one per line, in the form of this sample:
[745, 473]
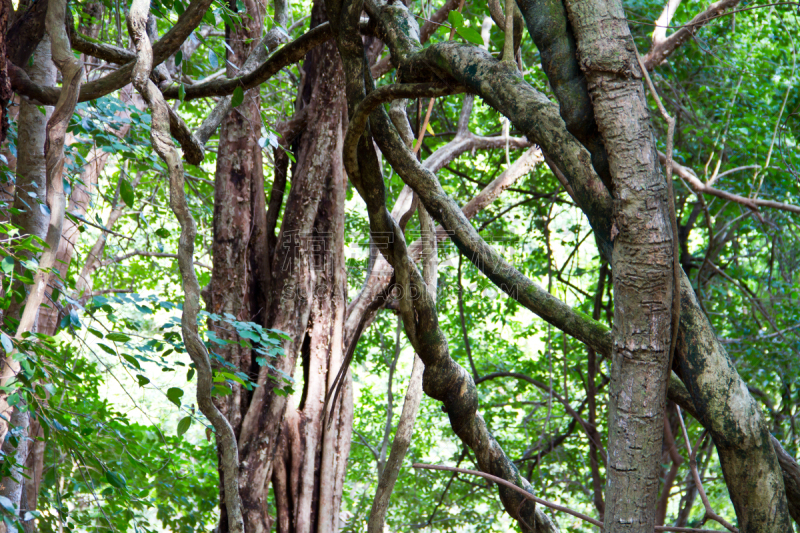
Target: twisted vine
[443, 379]
[163, 145]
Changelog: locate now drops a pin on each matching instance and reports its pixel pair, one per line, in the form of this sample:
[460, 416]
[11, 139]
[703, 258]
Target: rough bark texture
[642, 264]
[724, 406]
[239, 244]
[309, 470]
[294, 283]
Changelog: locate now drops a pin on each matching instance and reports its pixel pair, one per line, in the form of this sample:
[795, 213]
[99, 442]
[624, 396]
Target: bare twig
[699, 484]
[546, 503]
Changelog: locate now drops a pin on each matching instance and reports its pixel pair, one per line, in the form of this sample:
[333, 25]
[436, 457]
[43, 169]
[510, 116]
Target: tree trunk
[295, 284]
[642, 264]
[29, 192]
[239, 235]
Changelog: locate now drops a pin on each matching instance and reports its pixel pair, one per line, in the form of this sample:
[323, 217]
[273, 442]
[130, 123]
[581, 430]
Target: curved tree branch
[159, 135]
[165, 47]
[444, 379]
[446, 211]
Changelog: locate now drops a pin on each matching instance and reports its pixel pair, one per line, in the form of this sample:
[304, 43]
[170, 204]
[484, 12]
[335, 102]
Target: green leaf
[117, 337]
[183, 425]
[7, 506]
[142, 380]
[116, 480]
[470, 35]
[7, 265]
[163, 233]
[238, 97]
[132, 360]
[126, 192]
[247, 334]
[178, 57]
[106, 348]
[181, 92]
[220, 390]
[174, 394]
[8, 346]
[456, 19]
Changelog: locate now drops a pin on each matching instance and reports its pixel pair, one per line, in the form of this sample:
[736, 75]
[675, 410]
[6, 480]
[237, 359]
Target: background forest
[105, 394]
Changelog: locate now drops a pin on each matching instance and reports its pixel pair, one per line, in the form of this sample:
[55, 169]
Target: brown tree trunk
[239, 234]
[294, 283]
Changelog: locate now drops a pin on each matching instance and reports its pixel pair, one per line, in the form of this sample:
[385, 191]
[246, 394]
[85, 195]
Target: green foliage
[113, 391]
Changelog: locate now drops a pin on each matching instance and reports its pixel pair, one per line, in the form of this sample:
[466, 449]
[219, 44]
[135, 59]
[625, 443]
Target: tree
[307, 162]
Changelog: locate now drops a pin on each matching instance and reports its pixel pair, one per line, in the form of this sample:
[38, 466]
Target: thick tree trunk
[310, 469]
[294, 283]
[30, 190]
[239, 244]
[642, 265]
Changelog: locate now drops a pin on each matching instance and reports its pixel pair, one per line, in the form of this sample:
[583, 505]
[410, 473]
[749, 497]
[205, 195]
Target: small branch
[662, 50]
[79, 219]
[120, 258]
[508, 484]
[590, 431]
[551, 505]
[693, 183]
[699, 484]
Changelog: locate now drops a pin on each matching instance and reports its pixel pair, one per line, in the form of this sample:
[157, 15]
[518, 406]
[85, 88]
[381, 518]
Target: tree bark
[239, 241]
[642, 264]
[294, 283]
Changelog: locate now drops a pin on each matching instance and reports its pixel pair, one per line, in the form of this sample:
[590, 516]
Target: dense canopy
[386, 265]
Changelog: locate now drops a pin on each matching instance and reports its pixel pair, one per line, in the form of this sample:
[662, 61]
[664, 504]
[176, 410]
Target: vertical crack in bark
[163, 145]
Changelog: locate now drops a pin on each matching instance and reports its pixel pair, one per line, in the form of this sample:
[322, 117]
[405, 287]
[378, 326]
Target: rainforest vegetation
[399, 265]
